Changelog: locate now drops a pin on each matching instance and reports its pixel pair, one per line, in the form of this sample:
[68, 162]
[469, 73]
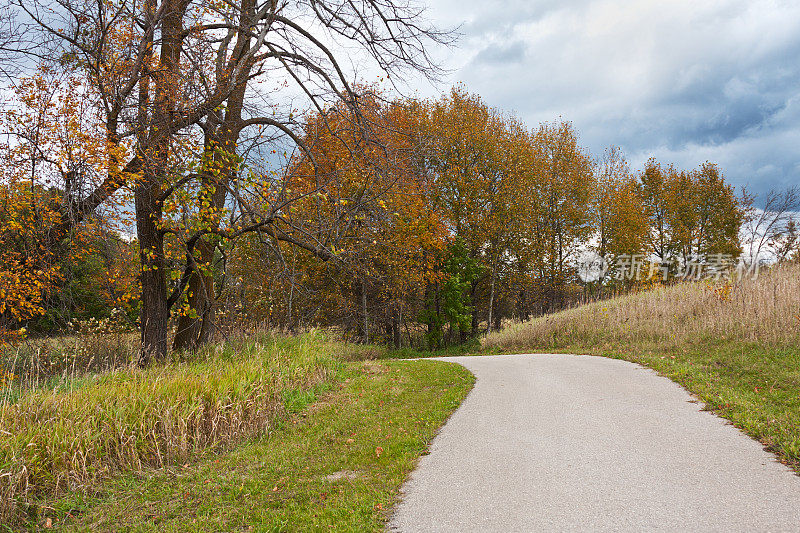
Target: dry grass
[764, 311]
[73, 437]
[47, 361]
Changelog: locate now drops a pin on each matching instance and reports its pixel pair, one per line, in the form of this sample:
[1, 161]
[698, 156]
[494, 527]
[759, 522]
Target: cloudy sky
[684, 81]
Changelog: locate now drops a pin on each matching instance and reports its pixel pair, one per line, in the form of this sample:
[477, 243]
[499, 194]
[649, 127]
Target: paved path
[577, 443]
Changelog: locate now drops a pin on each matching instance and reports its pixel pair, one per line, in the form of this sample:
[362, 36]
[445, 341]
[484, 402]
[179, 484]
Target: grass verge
[79, 434]
[336, 465]
[737, 347]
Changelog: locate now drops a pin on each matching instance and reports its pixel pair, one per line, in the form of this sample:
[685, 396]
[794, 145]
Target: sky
[682, 81]
[685, 81]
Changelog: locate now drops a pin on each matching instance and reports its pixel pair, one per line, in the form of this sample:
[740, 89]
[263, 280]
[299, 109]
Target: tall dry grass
[764, 310]
[57, 440]
[48, 361]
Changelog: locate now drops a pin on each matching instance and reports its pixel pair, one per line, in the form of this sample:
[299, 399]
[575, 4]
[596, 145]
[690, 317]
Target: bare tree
[169, 73]
[764, 227]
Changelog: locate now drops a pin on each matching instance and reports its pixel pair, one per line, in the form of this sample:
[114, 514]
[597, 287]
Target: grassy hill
[735, 345]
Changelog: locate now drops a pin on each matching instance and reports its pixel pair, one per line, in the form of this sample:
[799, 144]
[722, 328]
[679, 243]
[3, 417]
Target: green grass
[337, 464]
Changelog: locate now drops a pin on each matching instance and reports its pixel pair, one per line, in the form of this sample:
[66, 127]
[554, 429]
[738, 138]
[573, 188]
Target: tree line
[481, 219]
[150, 169]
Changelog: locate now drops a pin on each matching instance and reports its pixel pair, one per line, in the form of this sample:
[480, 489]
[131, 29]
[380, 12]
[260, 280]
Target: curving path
[578, 443]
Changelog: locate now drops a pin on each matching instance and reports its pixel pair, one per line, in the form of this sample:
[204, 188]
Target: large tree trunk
[220, 145]
[155, 314]
[154, 151]
[197, 329]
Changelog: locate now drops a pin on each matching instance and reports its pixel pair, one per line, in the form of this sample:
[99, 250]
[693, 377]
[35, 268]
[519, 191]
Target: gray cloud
[501, 54]
[684, 81]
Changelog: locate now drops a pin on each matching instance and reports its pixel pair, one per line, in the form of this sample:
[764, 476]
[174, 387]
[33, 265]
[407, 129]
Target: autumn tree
[28, 272]
[618, 216]
[563, 183]
[174, 83]
[706, 215]
[657, 193]
[380, 193]
[51, 156]
[692, 214]
[474, 155]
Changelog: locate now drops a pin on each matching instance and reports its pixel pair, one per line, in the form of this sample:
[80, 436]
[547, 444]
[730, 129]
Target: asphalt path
[577, 443]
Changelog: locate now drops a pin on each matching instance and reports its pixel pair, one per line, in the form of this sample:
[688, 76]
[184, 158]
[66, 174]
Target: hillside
[735, 345]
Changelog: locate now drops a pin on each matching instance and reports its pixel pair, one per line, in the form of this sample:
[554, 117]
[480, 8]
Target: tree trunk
[220, 146]
[491, 298]
[473, 302]
[522, 312]
[155, 314]
[194, 331]
[365, 311]
[154, 151]
[396, 331]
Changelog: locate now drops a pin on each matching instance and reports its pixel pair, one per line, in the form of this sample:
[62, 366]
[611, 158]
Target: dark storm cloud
[684, 81]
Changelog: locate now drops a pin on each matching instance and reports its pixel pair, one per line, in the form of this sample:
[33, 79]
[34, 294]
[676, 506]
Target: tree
[29, 273]
[477, 158]
[692, 214]
[707, 216]
[172, 78]
[564, 186]
[619, 219]
[383, 193]
[657, 194]
[789, 247]
[49, 159]
[448, 303]
[765, 227]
